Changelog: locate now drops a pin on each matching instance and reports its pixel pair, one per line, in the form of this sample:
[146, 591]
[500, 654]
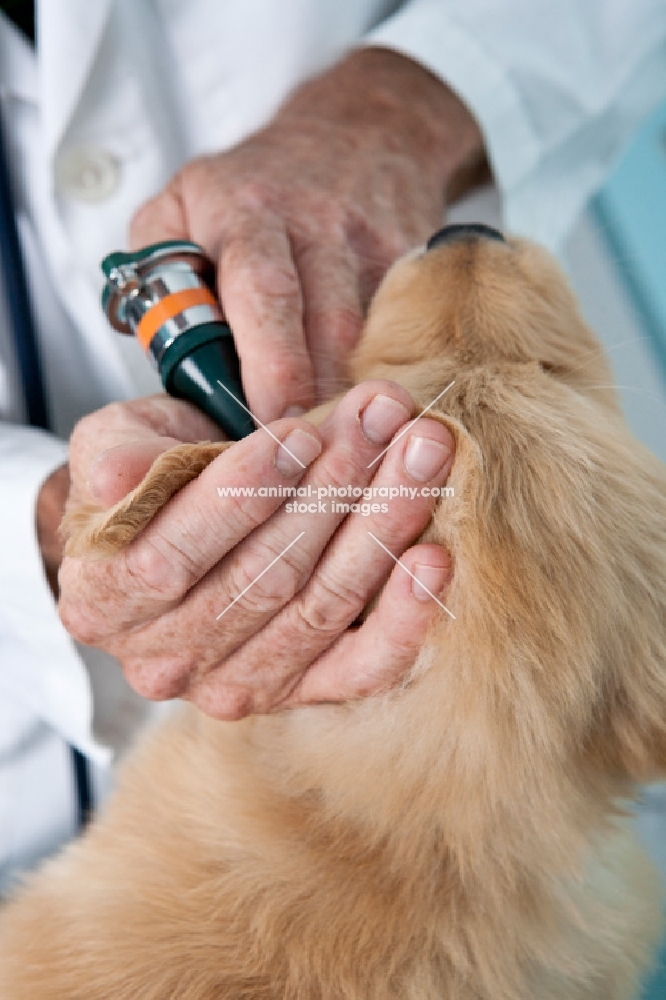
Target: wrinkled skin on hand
[155, 604]
[304, 217]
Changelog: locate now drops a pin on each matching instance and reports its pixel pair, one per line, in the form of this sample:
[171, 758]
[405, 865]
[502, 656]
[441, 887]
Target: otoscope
[164, 295]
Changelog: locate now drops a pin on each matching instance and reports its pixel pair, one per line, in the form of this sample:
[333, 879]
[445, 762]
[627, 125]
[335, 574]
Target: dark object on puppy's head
[472, 230]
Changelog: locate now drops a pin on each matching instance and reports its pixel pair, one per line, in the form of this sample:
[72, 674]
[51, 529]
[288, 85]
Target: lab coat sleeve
[40, 668]
[557, 89]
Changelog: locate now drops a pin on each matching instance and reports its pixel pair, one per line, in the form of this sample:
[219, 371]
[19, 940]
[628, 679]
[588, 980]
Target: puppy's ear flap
[638, 712]
[90, 531]
[637, 700]
[641, 740]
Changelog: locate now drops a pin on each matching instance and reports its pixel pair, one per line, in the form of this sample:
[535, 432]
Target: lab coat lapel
[69, 33]
[18, 70]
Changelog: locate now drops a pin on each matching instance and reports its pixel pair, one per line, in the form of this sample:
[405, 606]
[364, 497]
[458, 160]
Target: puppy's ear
[636, 702]
[558, 537]
[639, 726]
[626, 487]
[90, 531]
[632, 503]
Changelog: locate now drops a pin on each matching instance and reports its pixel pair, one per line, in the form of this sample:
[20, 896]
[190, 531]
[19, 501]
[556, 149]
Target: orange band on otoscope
[170, 306]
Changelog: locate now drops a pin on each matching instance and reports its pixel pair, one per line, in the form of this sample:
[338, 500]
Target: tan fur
[91, 531]
[461, 838]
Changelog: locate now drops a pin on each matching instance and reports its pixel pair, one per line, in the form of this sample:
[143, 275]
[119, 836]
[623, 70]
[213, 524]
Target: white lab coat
[121, 93]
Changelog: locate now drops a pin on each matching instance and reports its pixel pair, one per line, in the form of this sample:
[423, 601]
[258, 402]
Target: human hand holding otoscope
[301, 219]
[155, 605]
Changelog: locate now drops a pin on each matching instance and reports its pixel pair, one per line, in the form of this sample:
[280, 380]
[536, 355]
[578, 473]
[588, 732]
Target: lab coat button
[88, 173]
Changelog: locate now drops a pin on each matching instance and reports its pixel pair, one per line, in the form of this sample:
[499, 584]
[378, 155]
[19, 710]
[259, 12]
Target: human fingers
[163, 217]
[381, 654]
[106, 598]
[212, 203]
[353, 567]
[328, 271]
[289, 544]
[261, 294]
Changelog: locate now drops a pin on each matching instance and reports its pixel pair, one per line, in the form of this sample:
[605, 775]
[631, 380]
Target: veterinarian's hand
[305, 216]
[170, 606]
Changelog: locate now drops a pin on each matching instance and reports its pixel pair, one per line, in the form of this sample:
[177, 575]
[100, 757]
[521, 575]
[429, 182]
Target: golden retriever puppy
[464, 837]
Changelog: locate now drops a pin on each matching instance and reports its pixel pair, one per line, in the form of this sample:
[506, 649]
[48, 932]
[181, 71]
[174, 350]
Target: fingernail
[294, 411]
[425, 457]
[296, 452]
[382, 417]
[433, 579]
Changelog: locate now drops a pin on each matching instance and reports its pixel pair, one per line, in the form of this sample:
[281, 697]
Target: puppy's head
[476, 300]
[558, 527]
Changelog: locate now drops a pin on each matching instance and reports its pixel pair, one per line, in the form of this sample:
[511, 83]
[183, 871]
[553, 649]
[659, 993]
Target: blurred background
[617, 262]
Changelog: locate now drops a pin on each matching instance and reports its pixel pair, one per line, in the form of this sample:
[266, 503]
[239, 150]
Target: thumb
[116, 471]
[111, 449]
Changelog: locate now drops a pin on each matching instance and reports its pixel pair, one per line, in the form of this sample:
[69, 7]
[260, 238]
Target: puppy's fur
[462, 838]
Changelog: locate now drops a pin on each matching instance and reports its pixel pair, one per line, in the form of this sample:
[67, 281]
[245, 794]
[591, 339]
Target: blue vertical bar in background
[18, 301]
[656, 987]
[632, 211]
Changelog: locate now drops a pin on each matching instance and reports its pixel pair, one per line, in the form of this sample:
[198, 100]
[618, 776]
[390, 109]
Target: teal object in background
[656, 988]
[632, 211]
